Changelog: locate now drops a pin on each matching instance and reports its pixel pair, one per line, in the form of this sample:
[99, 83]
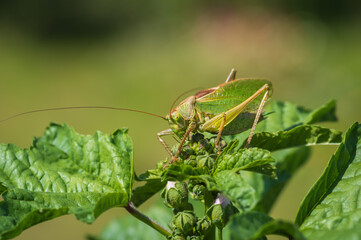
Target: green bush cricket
[229, 108]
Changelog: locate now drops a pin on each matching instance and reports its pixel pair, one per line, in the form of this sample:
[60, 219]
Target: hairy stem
[150, 222]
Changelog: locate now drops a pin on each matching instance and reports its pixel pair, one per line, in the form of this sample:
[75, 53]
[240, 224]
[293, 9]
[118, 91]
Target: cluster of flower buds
[199, 151]
[186, 225]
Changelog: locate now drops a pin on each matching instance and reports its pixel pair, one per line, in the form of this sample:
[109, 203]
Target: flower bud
[197, 191]
[221, 210]
[175, 194]
[184, 221]
[206, 160]
[203, 225]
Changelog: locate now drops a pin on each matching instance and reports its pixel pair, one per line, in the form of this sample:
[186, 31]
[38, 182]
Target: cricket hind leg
[231, 76]
[165, 133]
[258, 115]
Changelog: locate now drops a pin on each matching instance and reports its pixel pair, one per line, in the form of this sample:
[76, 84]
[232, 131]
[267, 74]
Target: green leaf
[251, 159]
[267, 190]
[235, 188]
[286, 115]
[62, 173]
[153, 185]
[344, 234]
[152, 174]
[288, 161]
[322, 114]
[333, 203]
[255, 225]
[181, 172]
[143, 193]
[304, 135]
[131, 228]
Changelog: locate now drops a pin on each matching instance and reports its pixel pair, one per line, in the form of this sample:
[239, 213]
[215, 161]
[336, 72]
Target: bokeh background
[143, 54]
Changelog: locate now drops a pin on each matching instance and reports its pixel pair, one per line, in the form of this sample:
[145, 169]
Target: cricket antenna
[184, 93]
[78, 107]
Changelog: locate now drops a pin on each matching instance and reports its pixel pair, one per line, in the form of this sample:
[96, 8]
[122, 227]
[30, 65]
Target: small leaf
[333, 203]
[251, 159]
[255, 225]
[143, 193]
[282, 228]
[235, 188]
[153, 185]
[286, 115]
[62, 173]
[304, 135]
[149, 175]
[182, 172]
[322, 114]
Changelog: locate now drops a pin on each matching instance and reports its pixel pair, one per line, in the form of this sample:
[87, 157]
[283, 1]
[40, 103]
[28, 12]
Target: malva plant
[214, 186]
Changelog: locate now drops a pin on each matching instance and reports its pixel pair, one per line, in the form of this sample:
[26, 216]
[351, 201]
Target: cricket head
[179, 117]
[177, 123]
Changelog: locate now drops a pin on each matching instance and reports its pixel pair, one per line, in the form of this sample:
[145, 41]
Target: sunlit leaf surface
[64, 172]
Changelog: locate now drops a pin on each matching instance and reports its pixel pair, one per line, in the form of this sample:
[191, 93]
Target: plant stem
[208, 201]
[211, 234]
[150, 222]
[219, 233]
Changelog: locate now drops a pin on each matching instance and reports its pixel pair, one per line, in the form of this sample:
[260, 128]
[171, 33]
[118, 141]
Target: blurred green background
[143, 54]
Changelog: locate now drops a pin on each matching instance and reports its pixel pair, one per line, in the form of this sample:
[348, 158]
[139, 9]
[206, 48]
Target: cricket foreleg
[231, 76]
[165, 133]
[259, 112]
[190, 128]
[218, 140]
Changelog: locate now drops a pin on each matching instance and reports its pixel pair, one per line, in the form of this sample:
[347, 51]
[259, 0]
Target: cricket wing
[211, 102]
